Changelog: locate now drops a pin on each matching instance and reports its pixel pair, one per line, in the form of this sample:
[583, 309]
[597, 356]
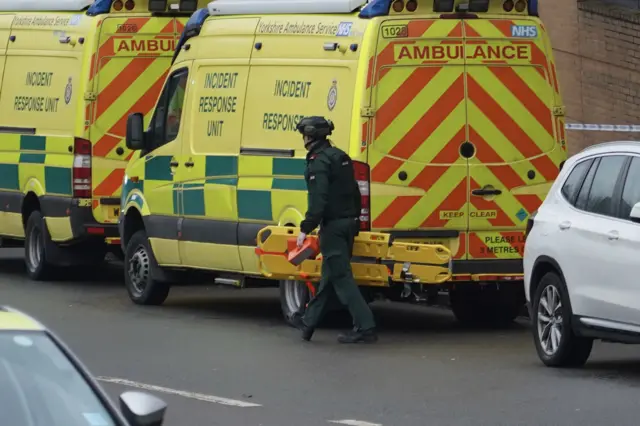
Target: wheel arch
[133, 223]
[30, 203]
[542, 266]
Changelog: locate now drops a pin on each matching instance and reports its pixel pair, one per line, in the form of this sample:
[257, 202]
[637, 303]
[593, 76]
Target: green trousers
[336, 246]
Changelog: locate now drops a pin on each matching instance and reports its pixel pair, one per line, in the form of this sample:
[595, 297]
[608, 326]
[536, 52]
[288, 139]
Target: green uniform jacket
[333, 190]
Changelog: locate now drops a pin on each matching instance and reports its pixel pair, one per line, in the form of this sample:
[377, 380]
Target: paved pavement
[233, 362]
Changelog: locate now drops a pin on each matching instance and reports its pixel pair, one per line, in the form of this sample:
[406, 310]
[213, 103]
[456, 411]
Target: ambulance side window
[168, 115]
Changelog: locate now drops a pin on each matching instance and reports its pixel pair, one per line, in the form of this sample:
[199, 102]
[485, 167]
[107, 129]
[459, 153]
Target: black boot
[307, 332]
[359, 336]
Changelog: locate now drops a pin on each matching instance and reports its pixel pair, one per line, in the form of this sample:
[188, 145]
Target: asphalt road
[221, 346]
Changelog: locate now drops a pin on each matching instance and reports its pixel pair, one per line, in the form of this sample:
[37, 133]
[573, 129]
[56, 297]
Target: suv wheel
[555, 340]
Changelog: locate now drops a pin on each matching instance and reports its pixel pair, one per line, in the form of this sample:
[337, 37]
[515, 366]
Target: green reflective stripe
[157, 168]
[176, 198]
[288, 166]
[193, 199]
[289, 184]
[221, 165]
[57, 180]
[33, 143]
[9, 179]
[254, 205]
[33, 158]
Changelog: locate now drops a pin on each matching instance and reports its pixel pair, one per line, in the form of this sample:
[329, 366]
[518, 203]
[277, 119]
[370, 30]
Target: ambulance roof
[267, 7]
[44, 5]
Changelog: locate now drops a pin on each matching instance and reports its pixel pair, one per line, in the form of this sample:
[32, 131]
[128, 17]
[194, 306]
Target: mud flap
[377, 261]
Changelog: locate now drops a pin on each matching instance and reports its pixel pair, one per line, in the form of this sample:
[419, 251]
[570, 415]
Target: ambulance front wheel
[140, 267]
[36, 239]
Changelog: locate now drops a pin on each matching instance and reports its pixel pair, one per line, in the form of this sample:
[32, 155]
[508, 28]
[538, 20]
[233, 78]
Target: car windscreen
[39, 385]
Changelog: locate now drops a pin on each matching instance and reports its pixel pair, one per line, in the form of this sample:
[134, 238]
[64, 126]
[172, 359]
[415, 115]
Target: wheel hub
[139, 267]
[550, 320]
[295, 295]
[35, 249]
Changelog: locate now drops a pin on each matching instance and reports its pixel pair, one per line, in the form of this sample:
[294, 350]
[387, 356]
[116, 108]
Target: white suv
[582, 255]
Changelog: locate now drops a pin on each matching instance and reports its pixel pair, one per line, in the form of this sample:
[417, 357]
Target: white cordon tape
[604, 127]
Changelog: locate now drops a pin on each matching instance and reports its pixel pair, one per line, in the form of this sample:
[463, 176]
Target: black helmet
[315, 127]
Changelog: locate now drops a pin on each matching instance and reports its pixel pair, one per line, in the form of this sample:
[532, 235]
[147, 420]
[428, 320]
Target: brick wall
[597, 50]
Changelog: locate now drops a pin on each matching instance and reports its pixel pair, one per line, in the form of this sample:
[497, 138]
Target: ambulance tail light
[362, 174]
[521, 6]
[81, 168]
[508, 6]
[117, 5]
[129, 5]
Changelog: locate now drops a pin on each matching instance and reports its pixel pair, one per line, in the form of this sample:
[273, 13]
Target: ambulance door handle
[485, 192]
[189, 164]
[173, 164]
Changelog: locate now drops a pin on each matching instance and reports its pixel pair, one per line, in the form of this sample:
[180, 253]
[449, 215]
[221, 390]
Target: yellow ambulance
[450, 109]
[71, 71]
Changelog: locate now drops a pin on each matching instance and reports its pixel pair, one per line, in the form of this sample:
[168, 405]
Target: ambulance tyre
[474, 306]
[294, 296]
[140, 269]
[36, 239]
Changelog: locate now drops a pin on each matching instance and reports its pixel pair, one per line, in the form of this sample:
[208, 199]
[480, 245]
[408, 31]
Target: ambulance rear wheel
[36, 239]
[294, 296]
[139, 267]
[498, 307]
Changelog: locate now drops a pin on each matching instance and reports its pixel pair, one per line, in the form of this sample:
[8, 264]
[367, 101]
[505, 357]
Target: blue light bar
[533, 8]
[191, 29]
[196, 21]
[99, 7]
[375, 8]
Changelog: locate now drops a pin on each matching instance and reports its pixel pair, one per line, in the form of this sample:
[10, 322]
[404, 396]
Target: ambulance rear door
[131, 65]
[512, 146]
[419, 180]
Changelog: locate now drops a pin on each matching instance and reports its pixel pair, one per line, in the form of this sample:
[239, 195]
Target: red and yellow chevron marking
[461, 88]
[128, 73]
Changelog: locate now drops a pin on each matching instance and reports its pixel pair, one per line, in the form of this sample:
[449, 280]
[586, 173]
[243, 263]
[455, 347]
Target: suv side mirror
[135, 132]
[635, 213]
[142, 409]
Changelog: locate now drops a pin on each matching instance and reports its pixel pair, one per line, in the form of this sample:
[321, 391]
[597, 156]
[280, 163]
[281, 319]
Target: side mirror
[142, 409]
[135, 132]
[635, 213]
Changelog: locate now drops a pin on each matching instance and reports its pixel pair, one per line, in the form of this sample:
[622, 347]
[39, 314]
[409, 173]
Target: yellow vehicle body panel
[74, 76]
[405, 91]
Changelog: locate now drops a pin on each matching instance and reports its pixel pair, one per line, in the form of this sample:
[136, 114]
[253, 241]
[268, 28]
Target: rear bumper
[83, 224]
[488, 270]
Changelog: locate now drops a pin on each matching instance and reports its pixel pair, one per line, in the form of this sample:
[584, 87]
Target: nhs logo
[344, 29]
[524, 31]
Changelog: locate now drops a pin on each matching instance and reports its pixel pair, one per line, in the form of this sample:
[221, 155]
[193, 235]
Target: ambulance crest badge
[332, 97]
[68, 91]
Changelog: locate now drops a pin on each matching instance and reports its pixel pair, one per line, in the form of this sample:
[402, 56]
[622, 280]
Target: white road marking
[354, 423]
[185, 394]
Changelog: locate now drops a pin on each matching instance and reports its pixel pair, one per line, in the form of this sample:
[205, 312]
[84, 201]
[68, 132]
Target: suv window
[631, 192]
[168, 114]
[574, 181]
[583, 195]
[604, 183]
